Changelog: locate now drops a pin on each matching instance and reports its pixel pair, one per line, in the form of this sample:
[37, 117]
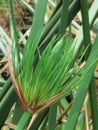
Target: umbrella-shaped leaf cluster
[46, 81]
[55, 74]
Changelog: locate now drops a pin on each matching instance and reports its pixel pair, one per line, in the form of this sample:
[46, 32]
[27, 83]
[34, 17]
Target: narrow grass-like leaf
[39, 16]
[38, 20]
[93, 102]
[34, 38]
[15, 45]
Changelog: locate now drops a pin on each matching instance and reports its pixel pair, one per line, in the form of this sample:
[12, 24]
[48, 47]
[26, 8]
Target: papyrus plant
[40, 86]
[55, 74]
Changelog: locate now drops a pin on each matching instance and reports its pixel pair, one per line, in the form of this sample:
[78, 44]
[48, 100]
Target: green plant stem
[85, 19]
[38, 20]
[24, 121]
[86, 27]
[5, 88]
[81, 122]
[28, 6]
[77, 103]
[92, 90]
[6, 104]
[18, 111]
[52, 117]
[79, 38]
[73, 9]
[53, 20]
[93, 102]
[64, 17]
[43, 125]
[64, 112]
[51, 23]
[37, 122]
[82, 90]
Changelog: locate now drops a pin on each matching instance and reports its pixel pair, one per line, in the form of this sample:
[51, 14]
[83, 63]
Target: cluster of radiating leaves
[48, 78]
[54, 72]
